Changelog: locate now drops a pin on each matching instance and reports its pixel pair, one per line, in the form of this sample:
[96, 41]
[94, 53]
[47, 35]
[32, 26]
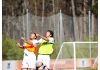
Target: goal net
[77, 56]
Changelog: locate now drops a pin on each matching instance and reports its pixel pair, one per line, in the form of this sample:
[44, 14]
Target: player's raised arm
[49, 35]
[19, 45]
[28, 42]
[45, 38]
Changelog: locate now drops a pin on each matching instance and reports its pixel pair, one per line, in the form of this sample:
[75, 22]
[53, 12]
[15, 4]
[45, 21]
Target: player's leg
[38, 65]
[31, 69]
[32, 61]
[45, 68]
[24, 68]
[46, 62]
[24, 63]
[39, 62]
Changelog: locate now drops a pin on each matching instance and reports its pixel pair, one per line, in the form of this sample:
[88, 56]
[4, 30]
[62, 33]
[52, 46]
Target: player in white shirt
[29, 60]
[45, 50]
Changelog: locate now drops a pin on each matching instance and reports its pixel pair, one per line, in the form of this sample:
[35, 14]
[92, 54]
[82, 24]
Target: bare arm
[18, 44]
[45, 38]
[30, 43]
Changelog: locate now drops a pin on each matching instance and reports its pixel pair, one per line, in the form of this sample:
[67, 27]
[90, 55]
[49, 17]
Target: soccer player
[45, 49]
[29, 60]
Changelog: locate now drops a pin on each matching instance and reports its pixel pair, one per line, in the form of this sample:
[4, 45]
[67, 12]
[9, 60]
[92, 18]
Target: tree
[74, 22]
[9, 49]
[95, 7]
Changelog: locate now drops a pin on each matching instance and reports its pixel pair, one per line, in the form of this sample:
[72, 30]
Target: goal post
[76, 55]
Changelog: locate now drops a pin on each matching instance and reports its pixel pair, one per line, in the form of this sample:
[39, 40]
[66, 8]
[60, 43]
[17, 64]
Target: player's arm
[28, 42]
[18, 44]
[35, 45]
[45, 38]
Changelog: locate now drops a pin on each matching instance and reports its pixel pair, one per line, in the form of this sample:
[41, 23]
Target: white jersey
[29, 60]
[51, 40]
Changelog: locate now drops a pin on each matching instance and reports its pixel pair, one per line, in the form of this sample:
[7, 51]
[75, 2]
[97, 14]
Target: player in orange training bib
[29, 59]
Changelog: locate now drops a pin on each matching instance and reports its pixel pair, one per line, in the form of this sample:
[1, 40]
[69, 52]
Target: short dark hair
[51, 32]
[35, 35]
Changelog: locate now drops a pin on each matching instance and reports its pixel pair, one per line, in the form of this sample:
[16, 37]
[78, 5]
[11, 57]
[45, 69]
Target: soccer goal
[77, 56]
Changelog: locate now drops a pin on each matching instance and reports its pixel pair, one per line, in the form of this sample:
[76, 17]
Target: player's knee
[39, 64]
[45, 68]
[31, 68]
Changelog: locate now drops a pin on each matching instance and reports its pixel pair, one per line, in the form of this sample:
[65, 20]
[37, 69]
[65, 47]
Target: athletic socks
[44, 68]
[37, 68]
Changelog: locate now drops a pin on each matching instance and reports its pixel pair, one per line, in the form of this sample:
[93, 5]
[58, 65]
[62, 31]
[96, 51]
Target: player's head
[49, 33]
[33, 36]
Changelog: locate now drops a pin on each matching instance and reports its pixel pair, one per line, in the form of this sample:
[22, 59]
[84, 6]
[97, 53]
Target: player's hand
[22, 38]
[37, 35]
[18, 44]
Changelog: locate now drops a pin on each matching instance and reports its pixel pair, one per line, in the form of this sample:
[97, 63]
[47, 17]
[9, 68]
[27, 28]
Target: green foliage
[92, 39]
[83, 50]
[95, 7]
[56, 48]
[9, 49]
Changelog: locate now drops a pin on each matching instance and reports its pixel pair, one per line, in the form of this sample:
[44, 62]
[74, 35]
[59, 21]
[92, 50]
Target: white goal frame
[74, 52]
